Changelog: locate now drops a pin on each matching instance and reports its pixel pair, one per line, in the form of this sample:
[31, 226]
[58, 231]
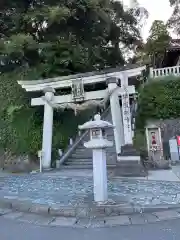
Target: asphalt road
[13, 230]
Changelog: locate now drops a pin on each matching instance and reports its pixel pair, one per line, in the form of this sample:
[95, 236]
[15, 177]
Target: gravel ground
[73, 191]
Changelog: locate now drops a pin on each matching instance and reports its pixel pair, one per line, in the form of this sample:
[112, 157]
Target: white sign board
[174, 153]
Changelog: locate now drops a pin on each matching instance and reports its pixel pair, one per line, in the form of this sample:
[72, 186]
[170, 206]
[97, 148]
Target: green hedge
[159, 99]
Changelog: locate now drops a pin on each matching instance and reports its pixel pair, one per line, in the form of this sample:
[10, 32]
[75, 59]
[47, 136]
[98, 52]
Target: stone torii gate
[120, 118]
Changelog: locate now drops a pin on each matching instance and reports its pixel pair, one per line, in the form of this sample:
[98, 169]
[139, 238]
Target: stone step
[128, 170]
[83, 149]
[80, 156]
[78, 163]
[108, 159]
[132, 174]
[77, 166]
[83, 160]
[88, 166]
[86, 162]
[89, 155]
[110, 137]
[124, 163]
[85, 155]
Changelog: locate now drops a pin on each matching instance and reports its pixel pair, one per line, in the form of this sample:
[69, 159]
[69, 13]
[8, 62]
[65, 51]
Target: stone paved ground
[160, 230]
[48, 221]
[51, 189]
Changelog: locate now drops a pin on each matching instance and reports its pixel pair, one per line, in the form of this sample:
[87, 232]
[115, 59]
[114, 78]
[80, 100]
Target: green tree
[159, 99]
[42, 39]
[65, 36]
[139, 12]
[157, 43]
[174, 21]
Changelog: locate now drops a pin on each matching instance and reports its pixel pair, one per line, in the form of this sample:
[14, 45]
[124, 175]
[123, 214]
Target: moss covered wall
[21, 125]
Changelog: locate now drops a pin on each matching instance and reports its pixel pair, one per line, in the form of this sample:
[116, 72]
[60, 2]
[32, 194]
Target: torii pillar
[47, 129]
[116, 115]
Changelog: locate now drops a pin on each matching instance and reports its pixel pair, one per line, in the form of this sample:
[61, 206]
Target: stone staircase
[81, 158]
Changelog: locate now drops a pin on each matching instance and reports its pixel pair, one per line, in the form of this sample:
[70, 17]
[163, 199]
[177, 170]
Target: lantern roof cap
[96, 123]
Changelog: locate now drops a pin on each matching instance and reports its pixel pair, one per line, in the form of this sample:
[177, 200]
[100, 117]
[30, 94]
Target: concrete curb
[82, 211]
[124, 220]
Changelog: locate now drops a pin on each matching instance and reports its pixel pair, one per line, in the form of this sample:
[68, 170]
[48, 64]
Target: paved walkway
[74, 188]
[161, 230]
[176, 170]
[172, 175]
[163, 175]
[123, 220]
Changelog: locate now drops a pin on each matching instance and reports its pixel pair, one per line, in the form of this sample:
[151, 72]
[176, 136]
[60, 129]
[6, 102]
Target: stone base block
[129, 150]
[129, 163]
[132, 168]
[162, 164]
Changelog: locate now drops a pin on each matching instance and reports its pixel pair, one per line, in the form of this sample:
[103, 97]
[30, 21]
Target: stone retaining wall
[14, 163]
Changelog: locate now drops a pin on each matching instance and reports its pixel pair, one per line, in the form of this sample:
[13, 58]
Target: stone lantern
[98, 143]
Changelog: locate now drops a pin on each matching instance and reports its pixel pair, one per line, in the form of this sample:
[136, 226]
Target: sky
[158, 10]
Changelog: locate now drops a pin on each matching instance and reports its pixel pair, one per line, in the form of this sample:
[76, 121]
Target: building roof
[174, 45]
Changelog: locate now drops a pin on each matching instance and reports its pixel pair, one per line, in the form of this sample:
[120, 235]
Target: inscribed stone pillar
[126, 112]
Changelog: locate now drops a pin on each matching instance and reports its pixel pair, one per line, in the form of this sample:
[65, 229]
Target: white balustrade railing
[163, 72]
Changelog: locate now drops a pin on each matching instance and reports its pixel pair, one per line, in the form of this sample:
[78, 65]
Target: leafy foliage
[42, 39]
[139, 12]
[72, 36]
[174, 21]
[154, 49]
[21, 125]
[160, 99]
